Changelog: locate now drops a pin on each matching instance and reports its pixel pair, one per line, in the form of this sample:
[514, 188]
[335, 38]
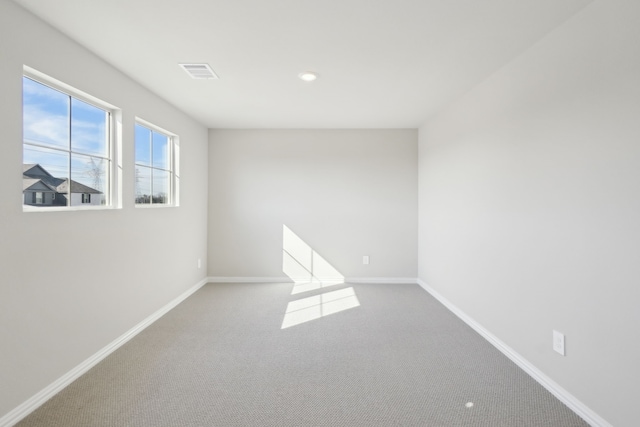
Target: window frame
[173, 142]
[113, 190]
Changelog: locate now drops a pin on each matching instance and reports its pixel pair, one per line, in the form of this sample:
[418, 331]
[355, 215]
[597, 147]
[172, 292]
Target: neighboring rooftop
[34, 173]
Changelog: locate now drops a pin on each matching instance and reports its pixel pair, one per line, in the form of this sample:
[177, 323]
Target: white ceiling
[382, 63]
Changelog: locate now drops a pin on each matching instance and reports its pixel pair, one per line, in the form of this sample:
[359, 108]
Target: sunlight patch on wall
[317, 306]
[308, 270]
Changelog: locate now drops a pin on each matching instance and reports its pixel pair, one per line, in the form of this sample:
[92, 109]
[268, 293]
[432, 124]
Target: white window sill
[155, 206]
[67, 208]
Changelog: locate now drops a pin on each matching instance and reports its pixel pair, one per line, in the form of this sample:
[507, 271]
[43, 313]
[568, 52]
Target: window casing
[156, 166]
[68, 146]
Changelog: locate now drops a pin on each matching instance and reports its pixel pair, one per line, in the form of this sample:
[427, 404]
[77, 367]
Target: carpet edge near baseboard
[21, 411]
[554, 388]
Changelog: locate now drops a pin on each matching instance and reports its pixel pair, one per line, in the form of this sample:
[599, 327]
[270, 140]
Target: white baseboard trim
[30, 405]
[355, 280]
[563, 395]
[383, 280]
[217, 279]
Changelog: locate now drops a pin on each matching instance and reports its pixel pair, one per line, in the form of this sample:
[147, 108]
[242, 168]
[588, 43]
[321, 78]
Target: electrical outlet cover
[558, 342]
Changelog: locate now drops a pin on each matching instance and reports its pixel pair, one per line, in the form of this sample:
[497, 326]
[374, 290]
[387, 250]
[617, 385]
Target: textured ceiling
[382, 64]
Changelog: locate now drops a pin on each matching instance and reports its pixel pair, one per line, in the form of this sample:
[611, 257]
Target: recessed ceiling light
[308, 76]
[199, 71]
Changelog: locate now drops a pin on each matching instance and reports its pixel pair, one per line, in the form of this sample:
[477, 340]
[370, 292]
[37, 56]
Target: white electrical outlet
[199, 263]
[365, 259]
[558, 342]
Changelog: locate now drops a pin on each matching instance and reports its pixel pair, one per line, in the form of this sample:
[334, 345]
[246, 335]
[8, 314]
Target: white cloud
[43, 126]
[51, 129]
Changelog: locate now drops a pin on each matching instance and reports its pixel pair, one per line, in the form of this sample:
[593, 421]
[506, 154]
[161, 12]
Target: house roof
[36, 171]
[35, 184]
[76, 187]
[32, 173]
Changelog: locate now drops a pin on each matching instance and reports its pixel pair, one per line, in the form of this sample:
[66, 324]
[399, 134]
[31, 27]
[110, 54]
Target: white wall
[55, 311]
[529, 205]
[346, 193]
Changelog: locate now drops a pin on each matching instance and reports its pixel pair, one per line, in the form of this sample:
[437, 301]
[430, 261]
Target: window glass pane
[143, 185]
[55, 162]
[88, 129]
[160, 186]
[89, 175]
[45, 114]
[143, 145]
[44, 170]
[154, 163]
[160, 151]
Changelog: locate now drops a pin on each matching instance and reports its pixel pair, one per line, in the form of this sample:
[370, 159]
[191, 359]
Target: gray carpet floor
[221, 358]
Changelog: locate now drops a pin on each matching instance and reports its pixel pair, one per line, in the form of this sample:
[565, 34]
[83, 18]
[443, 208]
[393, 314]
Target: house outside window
[68, 146]
[156, 166]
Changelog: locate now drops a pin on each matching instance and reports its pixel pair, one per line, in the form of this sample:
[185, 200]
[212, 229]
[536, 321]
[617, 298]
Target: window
[156, 166]
[67, 145]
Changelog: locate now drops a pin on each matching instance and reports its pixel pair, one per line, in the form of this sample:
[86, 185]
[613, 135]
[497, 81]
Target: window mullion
[151, 168]
[170, 150]
[109, 178]
[172, 174]
[70, 160]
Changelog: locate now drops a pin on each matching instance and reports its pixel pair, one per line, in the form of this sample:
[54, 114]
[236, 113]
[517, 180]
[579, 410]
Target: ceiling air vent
[199, 71]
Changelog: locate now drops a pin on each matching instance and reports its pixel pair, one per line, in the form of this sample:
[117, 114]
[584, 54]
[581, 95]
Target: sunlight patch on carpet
[312, 308]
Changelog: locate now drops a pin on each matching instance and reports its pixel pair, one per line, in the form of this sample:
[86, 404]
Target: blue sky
[60, 123]
[152, 154]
